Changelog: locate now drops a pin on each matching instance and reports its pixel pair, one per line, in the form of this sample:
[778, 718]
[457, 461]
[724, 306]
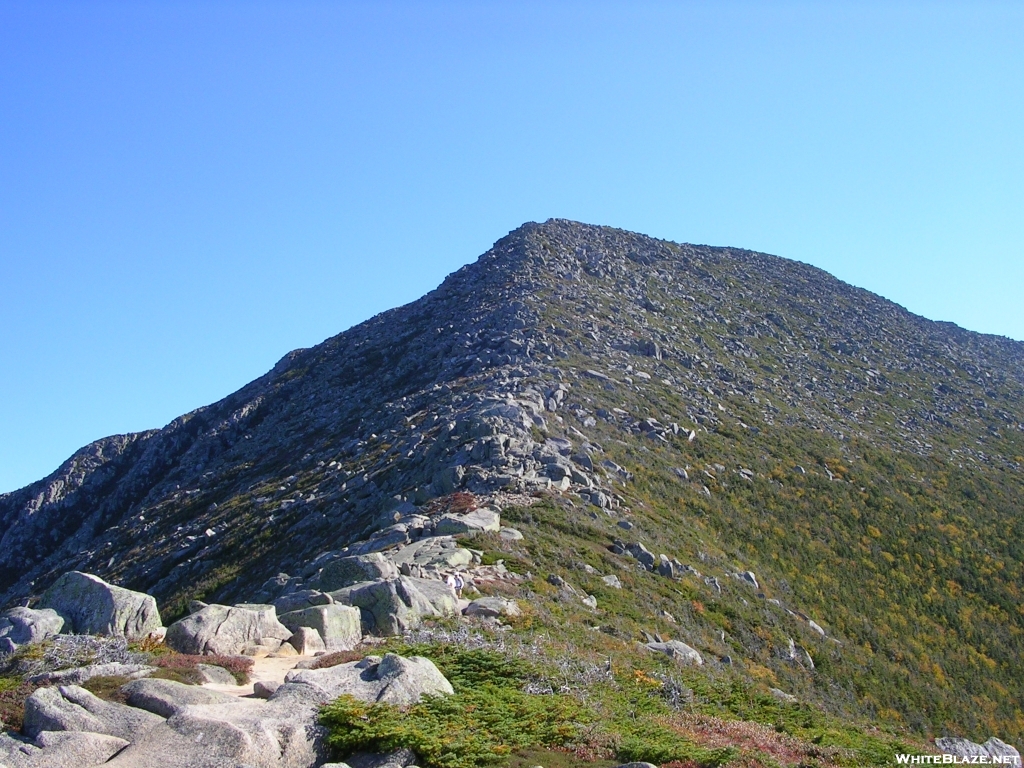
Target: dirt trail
[264, 669]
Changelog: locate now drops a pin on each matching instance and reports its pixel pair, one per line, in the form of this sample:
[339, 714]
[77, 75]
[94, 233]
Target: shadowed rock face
[449, 393]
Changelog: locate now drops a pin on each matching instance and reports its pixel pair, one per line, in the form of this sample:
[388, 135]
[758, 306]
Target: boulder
[239, 732]
[679, 651]
[25, 625]
[169, 697]
[227, 630]
[483, 520]
[91, 606]
[60, 749]
[211, 673]
[434, 551]
[264, 689]
[397, 758]
[339, 626]
[393, 679]
[79, 675]
[306, 641]
[492, 607]
[392, 606]
[70, 708]
[346, 571]
[296, 601]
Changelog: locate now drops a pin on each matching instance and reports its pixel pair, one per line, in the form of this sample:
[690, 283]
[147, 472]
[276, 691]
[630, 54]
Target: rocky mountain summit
[814, 484]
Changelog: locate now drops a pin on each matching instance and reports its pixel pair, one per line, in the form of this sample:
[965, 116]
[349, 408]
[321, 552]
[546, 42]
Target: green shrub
[487, 718]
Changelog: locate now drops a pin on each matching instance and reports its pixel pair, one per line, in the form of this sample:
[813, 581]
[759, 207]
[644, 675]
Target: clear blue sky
[190, 190]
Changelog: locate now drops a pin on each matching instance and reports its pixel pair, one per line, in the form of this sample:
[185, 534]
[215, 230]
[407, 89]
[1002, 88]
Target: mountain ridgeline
[738, 411]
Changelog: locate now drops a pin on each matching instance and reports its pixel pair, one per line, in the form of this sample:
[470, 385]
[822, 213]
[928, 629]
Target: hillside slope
[738, 411]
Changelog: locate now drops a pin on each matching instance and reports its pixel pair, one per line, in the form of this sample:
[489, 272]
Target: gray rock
[7, 646]
[492, 607]
[70, 708]
[306, 641]
[60, 749]
[346, 571]
[612, 581]
[264, 689]
[242, 732]
[91, 606]
[25, 625]
[211, 673]
[749, 577]
[296, 601]
[436, 551]
[816, 627]
[641, 553]
[339, 626]
[395, 680]
[79, 675]
[963, 748]
[637, 765]
[479, 520]
[169, 697]
[589, 600]
[666, 567]
[782, 696]
[679, 651]
[510, 534]
[392, 606]
[399, 758]
[226, 630]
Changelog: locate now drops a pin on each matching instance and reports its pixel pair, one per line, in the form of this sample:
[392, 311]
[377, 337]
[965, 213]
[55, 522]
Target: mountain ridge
[753, 376]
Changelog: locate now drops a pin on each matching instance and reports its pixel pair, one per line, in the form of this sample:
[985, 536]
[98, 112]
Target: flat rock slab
[393, 679]
[479, 520]
[70, 708]
[436, 551]
[60, 749]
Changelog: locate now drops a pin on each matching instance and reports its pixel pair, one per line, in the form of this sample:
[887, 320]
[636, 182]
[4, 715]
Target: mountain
[743, 413]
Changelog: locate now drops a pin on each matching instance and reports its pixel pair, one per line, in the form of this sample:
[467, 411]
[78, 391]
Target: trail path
[264, 669]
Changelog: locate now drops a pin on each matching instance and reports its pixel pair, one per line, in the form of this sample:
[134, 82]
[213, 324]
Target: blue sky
[190, 190]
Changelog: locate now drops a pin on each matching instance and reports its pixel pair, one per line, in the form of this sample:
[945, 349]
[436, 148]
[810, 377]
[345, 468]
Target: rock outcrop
[91, 606]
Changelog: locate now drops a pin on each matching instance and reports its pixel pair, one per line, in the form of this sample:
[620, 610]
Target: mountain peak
[749, 407]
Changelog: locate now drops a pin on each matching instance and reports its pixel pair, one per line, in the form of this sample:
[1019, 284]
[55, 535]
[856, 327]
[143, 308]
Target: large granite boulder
[206, 729]
[91, 606]
[392, 606]
[346, 571]
[483, 520]
[393, 679]
[339, 626]
[71, 708]
[296, 601]
[25, 625]
[492, 607]
[227, 630]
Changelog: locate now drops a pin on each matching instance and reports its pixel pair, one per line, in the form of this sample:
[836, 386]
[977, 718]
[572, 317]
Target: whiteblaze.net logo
[957, 760]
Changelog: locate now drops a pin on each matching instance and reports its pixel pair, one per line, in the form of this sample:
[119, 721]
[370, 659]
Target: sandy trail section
[264, 669]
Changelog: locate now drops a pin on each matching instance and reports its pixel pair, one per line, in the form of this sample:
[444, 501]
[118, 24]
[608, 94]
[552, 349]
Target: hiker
[459, 584]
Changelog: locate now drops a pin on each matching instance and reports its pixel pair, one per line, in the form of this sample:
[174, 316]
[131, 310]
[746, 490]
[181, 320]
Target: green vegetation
[487, 718]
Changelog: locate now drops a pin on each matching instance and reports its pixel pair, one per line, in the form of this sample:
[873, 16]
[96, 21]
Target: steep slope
[733, 409]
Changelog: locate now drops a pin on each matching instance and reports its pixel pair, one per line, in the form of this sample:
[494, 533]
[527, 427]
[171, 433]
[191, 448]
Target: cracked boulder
[91, 606]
